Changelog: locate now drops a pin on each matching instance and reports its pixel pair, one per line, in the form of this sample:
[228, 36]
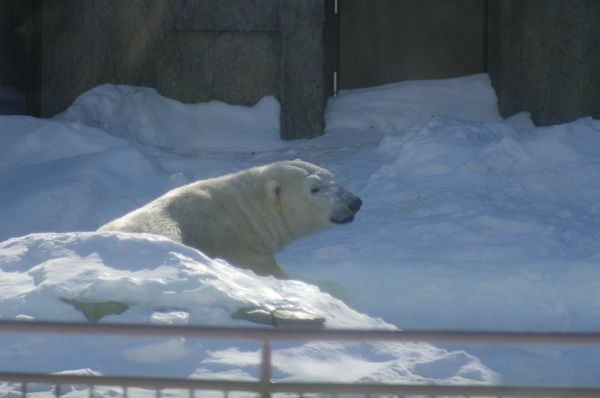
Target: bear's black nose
[355, 205]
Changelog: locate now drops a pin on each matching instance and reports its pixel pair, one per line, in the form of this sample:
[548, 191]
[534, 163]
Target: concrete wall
[236, 51]
[544, 57]
[12, 44]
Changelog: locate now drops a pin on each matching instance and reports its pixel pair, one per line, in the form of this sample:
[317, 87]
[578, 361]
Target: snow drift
[468, 222]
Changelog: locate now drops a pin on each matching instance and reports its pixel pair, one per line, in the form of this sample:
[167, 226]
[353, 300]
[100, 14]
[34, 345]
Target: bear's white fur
[246, 217]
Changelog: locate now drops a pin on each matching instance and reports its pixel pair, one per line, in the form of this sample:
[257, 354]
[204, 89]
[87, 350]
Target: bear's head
[307, 197]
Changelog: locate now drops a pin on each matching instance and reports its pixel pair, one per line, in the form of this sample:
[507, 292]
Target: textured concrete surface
[236, 51]
[544, 57]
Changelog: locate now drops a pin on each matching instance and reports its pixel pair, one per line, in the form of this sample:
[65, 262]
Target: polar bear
[246, 217]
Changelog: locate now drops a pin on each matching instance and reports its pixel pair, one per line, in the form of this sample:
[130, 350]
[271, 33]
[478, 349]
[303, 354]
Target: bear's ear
[272, 188]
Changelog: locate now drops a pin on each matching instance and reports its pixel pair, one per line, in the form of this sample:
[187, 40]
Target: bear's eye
[315, 190]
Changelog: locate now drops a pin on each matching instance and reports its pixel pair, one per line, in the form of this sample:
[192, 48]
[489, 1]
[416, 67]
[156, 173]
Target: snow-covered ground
[469, 222]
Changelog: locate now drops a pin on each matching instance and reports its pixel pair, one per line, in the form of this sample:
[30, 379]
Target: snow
[469, 222]
[171, 124]
[393, 108]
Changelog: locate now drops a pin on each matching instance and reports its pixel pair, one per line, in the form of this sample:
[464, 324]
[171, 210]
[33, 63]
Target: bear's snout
[348, 205]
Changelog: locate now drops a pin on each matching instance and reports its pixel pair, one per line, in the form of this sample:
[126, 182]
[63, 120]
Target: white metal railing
[265, 386]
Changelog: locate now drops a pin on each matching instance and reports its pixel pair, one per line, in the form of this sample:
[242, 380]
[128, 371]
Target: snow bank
[393, 108]
[472, 225]
[165, 282]
[81, 192]
[468, 222]
[150, 274]
[141, 115]
[27, 141]
[517, 196]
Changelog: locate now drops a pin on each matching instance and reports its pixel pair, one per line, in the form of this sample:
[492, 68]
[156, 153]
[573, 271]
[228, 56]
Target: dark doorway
[386, 41]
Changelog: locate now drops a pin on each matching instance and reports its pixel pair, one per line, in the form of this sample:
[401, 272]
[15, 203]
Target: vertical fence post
[265, 368]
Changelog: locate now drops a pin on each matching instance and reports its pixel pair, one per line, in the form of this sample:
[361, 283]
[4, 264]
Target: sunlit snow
[469, 222]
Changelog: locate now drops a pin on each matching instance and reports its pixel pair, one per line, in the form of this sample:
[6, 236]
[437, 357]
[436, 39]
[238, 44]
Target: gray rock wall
[86, 43]
[236, 51]
[544, 57]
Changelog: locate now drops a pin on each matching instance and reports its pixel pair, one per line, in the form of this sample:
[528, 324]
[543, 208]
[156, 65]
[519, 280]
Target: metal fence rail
[265, 386]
